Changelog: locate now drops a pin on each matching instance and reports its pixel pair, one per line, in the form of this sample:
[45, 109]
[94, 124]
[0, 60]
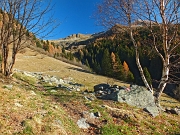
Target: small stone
[9, 87]
[97, 114]
[32, 93]
[78, 89]
[173, 111]
[92, 116]
[82, 123]
[53, 91]
[89, 98]
[18, 105]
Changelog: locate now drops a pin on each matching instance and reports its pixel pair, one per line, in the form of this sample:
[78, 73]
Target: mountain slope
[33, 61]
[29, 106]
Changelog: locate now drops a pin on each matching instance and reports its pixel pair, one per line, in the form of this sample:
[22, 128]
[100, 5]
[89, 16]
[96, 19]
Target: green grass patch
[112, 129]
[27, 79]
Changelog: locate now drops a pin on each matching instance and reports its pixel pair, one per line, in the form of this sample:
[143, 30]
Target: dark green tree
[147, 75]
[106, 68]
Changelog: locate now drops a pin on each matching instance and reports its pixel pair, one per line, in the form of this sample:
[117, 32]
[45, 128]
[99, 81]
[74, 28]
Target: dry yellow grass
[33, 61]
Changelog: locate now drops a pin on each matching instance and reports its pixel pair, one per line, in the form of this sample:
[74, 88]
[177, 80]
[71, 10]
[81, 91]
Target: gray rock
[92, 116]
[135, 96]
[9, 87]
[173, 111]
[61, 81]
[97, 114]
[82, 123]
[87, 98]
[78, 89]
[102, 86]
[152, 110]
[139, 97]
[53, 91]
[32, 93]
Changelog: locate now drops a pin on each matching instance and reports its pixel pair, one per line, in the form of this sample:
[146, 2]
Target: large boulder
[135, 96]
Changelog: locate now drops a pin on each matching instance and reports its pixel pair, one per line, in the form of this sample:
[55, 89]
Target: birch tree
[161, 19]
[18, 18]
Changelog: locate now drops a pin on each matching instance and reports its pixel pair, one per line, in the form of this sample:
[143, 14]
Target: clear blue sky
[76, 16]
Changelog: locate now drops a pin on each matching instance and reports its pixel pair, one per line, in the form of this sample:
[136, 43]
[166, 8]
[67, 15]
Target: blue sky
[76, 16]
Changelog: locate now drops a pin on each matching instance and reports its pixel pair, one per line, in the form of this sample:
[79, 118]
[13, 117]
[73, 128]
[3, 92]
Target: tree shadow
[80, 70]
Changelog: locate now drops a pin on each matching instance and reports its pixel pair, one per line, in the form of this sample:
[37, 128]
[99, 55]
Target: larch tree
[126, 67]
[19, 18]
[128, 76]
[117, 66]
[161, 20]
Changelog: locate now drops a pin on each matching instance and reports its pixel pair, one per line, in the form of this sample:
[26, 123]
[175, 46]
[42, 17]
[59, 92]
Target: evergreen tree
[147, 75]
[106, 68]
[87, 63]
[130, 77]
[63, 50]
[38, 44]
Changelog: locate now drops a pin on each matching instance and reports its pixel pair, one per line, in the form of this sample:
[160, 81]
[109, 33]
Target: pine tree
[87, 63]
[147, 75]
[130, 77]
[106, 67]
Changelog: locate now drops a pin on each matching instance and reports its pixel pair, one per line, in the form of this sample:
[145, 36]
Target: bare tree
[20, 19]
[161, 19]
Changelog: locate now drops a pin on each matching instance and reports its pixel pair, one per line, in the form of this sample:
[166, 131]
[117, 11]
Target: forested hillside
[115, 57]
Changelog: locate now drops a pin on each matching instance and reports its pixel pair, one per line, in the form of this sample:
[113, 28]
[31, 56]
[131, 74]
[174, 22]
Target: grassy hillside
[31, 107]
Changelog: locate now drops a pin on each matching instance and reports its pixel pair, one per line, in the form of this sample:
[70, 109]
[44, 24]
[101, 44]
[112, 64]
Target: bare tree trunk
[139, 64]
[4, 65]
[163, 82]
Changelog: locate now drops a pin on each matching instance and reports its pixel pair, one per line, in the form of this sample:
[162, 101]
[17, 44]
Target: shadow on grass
[81, 70]
[61, 95]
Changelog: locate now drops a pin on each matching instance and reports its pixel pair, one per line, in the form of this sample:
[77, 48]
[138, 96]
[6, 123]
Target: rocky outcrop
[63, 83]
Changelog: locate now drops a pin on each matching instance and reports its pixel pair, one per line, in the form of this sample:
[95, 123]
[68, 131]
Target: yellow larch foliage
[113, 58]
[126, 67]
[51, 49]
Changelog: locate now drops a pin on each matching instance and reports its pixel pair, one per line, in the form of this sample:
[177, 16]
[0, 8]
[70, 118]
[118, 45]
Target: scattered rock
[32, 93]
[89, 98]
[66, 83]
[78, 89]
[97, 114]
[173, 111]
[53, 91]
[82, 123]
[102, 86]
[18, 105]
[9, 87]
